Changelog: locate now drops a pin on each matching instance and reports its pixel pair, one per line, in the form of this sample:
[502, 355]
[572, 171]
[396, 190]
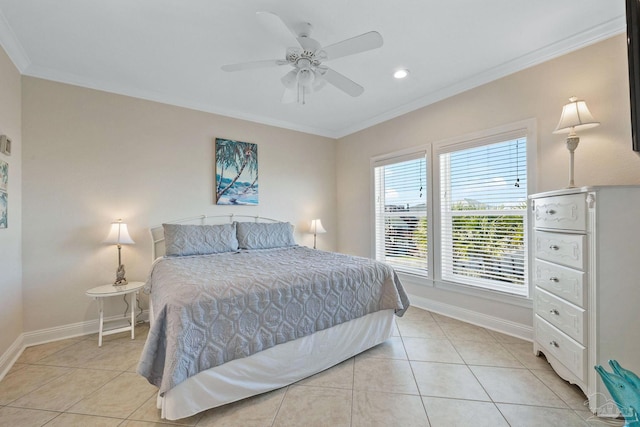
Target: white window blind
[483, 194]
[401, 212]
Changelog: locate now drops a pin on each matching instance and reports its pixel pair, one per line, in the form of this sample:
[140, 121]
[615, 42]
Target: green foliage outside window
[489, 246]
[485, 245]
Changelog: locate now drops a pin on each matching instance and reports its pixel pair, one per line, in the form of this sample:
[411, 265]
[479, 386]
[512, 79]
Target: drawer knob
[554, 279]
[554, 311]
[550, 212]
[554, 247]
[554, 343]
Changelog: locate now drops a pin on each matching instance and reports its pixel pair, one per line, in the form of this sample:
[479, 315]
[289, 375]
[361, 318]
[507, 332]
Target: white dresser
[586, 276]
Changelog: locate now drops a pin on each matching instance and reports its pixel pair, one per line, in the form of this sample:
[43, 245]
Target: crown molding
[601, 32]
[12, 46]
[75, 80]
[577, 41]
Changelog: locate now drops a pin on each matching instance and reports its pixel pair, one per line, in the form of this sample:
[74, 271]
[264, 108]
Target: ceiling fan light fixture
[309, 74]
[401, 73]
[305, 77]
[290, 80]
[318, 81]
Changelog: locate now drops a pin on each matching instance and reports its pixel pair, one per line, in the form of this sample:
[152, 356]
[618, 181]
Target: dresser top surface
[587, 189]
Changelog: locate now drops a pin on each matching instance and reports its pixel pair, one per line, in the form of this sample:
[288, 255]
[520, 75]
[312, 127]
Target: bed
[237, 308]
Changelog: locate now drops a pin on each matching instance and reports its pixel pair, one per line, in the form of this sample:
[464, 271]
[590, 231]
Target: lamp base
[572, 144]
[120, 279]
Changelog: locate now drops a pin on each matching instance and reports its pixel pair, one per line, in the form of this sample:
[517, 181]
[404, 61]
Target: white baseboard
[9, 357]
[42, 336]
[497, 324]
[79, 329]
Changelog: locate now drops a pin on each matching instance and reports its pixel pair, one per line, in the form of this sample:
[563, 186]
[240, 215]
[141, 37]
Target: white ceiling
[171, 50]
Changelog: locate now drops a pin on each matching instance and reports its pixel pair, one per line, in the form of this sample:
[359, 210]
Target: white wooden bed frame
[269, 369]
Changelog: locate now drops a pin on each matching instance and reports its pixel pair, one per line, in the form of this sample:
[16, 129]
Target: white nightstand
[101, 292]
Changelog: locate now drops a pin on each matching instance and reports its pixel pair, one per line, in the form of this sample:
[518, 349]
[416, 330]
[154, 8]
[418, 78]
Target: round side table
[99, 293]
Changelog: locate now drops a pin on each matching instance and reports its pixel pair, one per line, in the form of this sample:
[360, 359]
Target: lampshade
[300, 82]
[290, 79]
[316, 227]
[119, 235]
[575, 115]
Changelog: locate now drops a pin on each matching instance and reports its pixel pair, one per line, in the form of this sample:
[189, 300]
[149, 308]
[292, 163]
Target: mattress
[212, 309]
[275, 367]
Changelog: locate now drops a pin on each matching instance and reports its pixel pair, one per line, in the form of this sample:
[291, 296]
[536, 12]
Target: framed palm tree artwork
[236, 172]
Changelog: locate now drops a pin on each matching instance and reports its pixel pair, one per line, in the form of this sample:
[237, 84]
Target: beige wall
[597, 74]
[10, 243]
[91, 157]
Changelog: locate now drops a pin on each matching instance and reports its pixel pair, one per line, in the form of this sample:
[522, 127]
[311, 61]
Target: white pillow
[264, 235]
[184, 239]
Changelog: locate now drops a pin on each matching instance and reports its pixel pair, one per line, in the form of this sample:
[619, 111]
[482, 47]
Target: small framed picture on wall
[4, 175]
[3, 210]
[5, 145]
[4, 184]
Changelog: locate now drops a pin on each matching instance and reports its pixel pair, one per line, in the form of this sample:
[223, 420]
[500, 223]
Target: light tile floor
[435, 371]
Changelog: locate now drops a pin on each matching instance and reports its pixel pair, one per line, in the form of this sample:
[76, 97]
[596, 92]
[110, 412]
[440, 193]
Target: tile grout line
[413, 374]
[275, 416]
[484, 388]
[477, 379]
[353, 413]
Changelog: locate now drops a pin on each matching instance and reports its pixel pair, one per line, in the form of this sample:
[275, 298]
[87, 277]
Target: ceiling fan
[309, 74]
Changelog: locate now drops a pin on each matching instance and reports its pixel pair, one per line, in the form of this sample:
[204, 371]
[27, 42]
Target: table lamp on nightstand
[315, 229]
[119, 235]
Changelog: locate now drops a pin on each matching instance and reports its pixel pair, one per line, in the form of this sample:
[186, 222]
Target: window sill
[503, 297]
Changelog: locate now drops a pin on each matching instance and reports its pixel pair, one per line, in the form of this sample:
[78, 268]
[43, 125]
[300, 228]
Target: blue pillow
[184, 239]
[264, 235]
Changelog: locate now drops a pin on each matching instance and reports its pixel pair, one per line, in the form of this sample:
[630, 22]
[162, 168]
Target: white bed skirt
[275, 367]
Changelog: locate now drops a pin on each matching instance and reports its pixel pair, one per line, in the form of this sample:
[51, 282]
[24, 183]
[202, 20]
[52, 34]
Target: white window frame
[392, 158]
[525, 128]
[444, 214]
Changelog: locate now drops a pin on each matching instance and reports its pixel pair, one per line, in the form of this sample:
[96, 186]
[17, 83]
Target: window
[456, 212]
[483, 213]
[401, 212]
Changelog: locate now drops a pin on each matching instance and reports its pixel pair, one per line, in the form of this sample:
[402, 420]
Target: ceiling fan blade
[357, 44]
[300, 31]
[341, 82]
[308, 43]
[278, 26]
[254, 64]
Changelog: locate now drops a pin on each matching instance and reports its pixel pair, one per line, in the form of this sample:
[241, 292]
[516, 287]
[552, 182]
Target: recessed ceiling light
[401, 74]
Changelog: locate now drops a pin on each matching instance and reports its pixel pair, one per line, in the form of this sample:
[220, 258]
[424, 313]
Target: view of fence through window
[482, 224]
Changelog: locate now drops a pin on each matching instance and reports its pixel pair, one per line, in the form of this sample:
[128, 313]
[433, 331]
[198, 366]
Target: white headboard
[157, 232]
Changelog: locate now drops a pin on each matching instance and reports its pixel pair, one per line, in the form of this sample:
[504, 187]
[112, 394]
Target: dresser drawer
[571, 354]
[561, 281]
[559, 248]
[567, 317]
[561, 212]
